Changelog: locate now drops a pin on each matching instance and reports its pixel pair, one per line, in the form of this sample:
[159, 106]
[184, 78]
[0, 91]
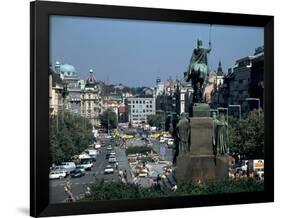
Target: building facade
[55, 93]
[139, 108]
[91, 102]
[71, 80]
[242, 88]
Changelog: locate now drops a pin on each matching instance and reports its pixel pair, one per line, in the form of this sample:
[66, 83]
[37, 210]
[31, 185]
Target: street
[79, 185]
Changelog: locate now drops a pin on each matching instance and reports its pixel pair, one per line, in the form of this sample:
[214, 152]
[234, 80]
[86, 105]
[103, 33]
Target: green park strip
[116, 191]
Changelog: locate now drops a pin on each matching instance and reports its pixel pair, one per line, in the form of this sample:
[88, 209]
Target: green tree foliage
[69, 135]
[108, 119]
[156, 120]
[114, 190]
[246, 137]
[138, 149]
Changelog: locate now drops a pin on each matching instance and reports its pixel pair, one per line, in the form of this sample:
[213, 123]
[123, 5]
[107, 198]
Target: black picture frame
[39, 106]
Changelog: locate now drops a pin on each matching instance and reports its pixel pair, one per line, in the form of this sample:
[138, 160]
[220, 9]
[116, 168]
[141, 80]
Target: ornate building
[91, 102]
[70, 79]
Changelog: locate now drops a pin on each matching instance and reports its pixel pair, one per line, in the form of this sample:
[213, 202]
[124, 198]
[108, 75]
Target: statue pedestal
[201, 168]
[201, 163]
[201, 110]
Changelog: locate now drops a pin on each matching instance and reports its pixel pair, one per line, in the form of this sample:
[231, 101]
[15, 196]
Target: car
[108, 169]
[76, 173]
[57, 174]
[109, 148]
[112, 159]
[61, 168]
[81, 168]
[112, 153]
[109, 153]
[170, 141]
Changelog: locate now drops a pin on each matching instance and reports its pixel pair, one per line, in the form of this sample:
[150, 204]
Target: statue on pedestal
[220, 136]
[198, 70]
[183, 132]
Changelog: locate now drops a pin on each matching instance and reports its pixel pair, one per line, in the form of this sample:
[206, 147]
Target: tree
[246, 137]
[108, 119]
[69, 135]
[156, 120]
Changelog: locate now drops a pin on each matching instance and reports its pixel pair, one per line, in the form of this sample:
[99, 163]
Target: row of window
[139, 102]
[147, 106]
[143, 111]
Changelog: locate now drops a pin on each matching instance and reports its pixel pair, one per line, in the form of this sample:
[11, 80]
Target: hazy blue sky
[135, 53]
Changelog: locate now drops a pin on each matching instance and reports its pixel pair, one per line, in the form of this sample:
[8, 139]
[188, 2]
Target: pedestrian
[116, 165]
[125, 175]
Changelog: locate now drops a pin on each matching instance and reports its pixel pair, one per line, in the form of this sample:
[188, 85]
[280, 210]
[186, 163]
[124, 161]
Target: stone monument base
[200, 110]
[201, 168]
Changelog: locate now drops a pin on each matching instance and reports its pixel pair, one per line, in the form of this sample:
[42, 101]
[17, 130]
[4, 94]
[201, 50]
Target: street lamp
[255, 99]
[236, 105]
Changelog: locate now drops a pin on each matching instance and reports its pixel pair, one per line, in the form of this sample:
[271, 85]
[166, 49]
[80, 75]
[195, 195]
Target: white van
[69, 166]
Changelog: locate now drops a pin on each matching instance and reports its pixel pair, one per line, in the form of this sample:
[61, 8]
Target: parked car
[61, 168]
[76, 173]
[112, 159]
[170, 141]
[57, 174]
[81, 168]
[109, 148]
[108, 169]
[109, 153]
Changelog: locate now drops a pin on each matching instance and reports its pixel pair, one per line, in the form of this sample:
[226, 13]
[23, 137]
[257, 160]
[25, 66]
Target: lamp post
[236, 105]
[255, 99]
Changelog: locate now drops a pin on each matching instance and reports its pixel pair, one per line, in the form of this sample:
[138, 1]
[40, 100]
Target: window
[133, 106]
[150, 106]
[137, 102]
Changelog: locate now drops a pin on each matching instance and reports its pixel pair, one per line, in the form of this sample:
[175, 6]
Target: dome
[67, 69]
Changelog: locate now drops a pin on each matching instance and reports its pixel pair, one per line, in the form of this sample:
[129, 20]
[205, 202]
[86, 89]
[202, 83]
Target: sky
[135, 53]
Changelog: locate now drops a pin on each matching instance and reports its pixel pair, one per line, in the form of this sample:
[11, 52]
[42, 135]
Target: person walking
[125, 175]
